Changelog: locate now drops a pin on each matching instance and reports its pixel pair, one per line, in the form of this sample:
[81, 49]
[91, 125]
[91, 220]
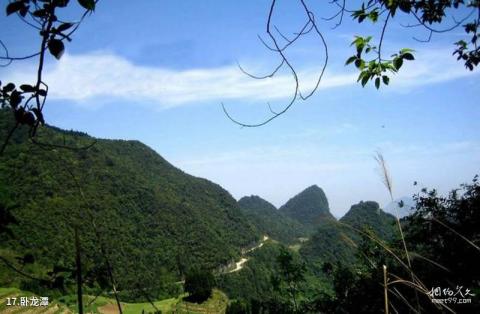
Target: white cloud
[98, 77]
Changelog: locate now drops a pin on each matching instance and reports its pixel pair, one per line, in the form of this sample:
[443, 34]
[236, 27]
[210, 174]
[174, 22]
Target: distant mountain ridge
[271, 221]
[309, 207]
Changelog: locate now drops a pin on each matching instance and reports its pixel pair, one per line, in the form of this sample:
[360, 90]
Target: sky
[158, 72]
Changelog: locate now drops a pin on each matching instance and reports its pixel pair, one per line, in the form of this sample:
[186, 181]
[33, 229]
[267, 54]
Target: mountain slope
[369, 215]
[269, 220]
[336, 241]
[309, 207]
[331, 243]
[152, 219]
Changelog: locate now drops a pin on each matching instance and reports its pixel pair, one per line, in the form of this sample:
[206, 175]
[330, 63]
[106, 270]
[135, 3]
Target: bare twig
[309, 26]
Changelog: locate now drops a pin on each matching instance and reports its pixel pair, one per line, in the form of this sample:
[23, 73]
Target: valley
[169, 221]
[160, 235]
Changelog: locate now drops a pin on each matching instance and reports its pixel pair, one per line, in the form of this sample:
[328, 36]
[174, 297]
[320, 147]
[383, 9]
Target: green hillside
[336, 241]
[309, 207]
[332, 243]
[152, 220]
[270, 221]
[369, 215]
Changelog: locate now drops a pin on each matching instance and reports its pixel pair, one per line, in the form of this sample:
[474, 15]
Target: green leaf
[408, 56]
[9, 87]
[397, 63]
[40, 13]
[360, 64]
[24, 10]
[385, 79]
[405, 50]
[365, 79]
[377, 82]
[87, 4]
[360, 47]
[373, 16]
[64, 27]
[361, 75]
[358, 39]
[27, 88]
[56, 48]
[14, 7]
[61, 3]
[350, 60]
[405, 6]
[15, 99]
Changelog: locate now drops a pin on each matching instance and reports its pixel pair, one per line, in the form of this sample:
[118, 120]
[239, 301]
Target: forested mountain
[336, 241]
[152, 220]
[309, 207]
[271, 221]
[332, 243]
[147, 224]
[369, 215]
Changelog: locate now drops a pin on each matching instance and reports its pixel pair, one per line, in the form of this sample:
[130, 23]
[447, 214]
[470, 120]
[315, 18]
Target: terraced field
[216, 304]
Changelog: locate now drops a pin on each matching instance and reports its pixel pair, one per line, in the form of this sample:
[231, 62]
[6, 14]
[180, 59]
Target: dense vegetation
[271, 221]
[264, 284]
[152, 224]
[309, 207]
[336, 241]
[442, 237]
[446, 229]
[332, 251]
[331, 243]
[199, 284]
[369, 215]
[150, 220]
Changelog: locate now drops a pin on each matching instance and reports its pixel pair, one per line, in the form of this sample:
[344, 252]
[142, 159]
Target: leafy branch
[27, 100]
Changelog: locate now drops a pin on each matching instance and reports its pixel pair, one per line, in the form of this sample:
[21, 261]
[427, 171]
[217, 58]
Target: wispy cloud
[98, 77]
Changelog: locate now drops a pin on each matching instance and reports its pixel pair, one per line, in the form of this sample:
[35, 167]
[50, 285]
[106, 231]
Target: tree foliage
[370, 59]
[27, 100]
[271, 221]
[445, 229]
[199, 284]
[309, 207]
[153, 220]
[442, 236]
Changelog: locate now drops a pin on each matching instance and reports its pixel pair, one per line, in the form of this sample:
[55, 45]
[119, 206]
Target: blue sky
[157, 71]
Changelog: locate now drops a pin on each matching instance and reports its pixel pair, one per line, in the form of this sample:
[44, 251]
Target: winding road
[239, 265]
